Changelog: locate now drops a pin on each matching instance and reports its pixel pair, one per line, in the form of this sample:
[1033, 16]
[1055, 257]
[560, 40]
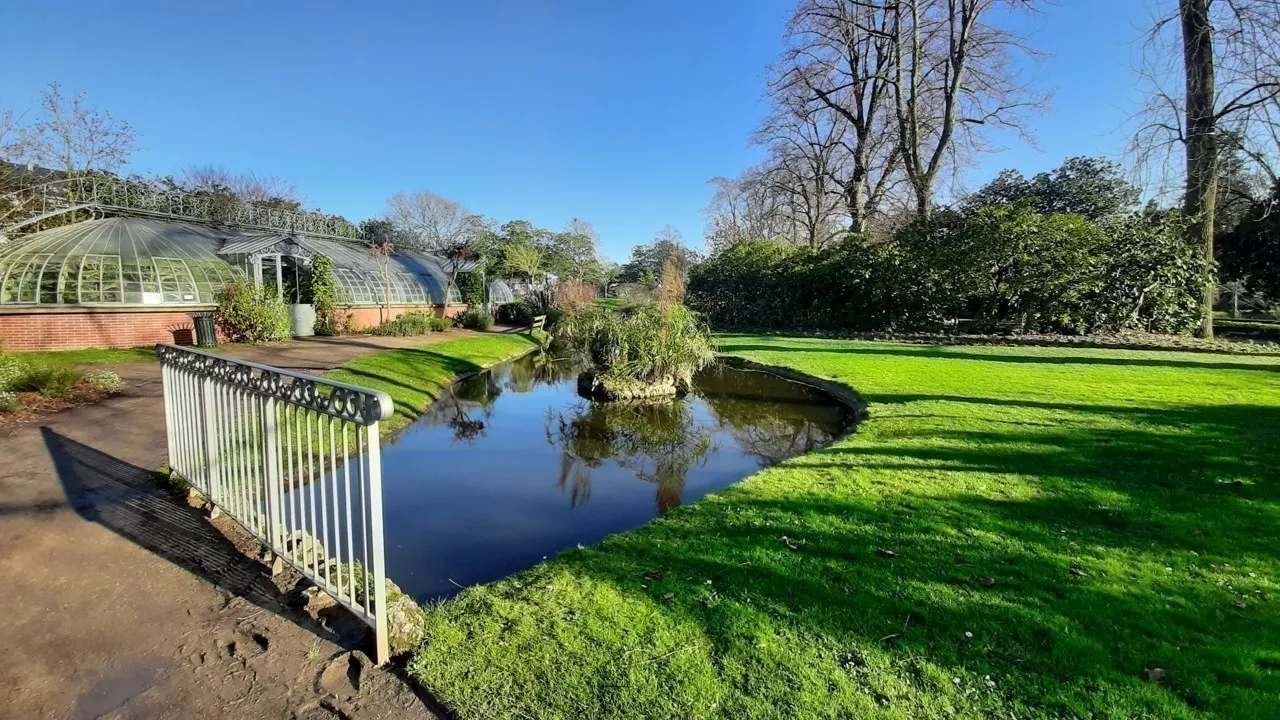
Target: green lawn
[92, 356]
[1124, 504]
[413, 376]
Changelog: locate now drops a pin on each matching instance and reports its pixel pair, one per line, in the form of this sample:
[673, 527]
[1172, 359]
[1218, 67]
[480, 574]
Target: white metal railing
[294, 459]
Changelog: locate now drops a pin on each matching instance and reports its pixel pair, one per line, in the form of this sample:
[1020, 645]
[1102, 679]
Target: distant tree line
[1063, 252]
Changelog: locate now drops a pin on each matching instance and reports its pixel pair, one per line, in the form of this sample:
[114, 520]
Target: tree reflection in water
[658, 442]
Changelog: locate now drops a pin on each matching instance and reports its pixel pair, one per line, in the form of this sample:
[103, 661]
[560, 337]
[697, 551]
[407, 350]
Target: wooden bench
[539, 321]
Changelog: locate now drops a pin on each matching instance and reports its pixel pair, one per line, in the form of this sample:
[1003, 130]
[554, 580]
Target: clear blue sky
[520, 109]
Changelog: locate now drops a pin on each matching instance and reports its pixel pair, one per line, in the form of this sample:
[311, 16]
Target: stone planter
[302, 320]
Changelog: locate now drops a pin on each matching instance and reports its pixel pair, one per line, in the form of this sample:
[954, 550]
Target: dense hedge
[1005, 267]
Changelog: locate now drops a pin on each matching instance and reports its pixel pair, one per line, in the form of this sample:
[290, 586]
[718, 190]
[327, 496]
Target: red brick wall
[75, 330]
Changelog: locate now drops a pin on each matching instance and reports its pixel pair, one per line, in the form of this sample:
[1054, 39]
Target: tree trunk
[924, 198]
[1201, 141]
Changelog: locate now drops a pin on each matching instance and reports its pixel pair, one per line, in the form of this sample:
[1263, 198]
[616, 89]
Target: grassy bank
[413, 376]
[91, 356]
[1015, 532]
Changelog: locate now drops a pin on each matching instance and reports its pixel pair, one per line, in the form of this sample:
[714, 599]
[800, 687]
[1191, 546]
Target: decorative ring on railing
[341, 401]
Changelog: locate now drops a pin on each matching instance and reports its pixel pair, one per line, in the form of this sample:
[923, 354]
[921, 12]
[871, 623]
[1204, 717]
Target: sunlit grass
[413, 377]
[1014, 532]
[91, 356]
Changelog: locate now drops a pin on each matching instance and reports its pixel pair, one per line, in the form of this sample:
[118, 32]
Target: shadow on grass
[945, 352]
[1116, 541]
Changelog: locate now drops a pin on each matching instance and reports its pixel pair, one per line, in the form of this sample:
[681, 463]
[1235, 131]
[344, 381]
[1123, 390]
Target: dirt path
[122, 602]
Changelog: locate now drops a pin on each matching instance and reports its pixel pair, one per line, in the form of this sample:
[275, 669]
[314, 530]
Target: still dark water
[511, 466]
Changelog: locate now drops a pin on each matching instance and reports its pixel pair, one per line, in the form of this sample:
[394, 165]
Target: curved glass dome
[416, 279]
[500, 292]
[143, 262]
[115, 261]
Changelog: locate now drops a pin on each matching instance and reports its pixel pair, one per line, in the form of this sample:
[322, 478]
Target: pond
[511, 466]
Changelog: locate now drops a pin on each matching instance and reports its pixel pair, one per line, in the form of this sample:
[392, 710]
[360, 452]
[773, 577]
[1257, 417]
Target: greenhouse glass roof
[144, 262]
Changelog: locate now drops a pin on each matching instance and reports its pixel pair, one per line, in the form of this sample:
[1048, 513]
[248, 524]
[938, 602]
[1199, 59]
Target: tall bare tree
[832, 89]
[75, 138]
[803, 173]
[1214, 70]
[952, 76]
[246, 186]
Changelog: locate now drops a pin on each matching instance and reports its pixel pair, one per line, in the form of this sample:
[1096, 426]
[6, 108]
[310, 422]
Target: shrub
[249, 313]
[412, 323]
[324, 295]
[54, 382]
[9, 402]
[474, 319]
[574, 296]
[1005, 266]
[13, 372]
[519, 313]
[104, 380]
[645, 345]
[471, 288]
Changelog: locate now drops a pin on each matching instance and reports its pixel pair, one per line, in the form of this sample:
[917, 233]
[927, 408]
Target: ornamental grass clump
[644, 351]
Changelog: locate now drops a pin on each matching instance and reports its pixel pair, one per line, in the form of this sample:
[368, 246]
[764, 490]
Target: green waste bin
[206, 332]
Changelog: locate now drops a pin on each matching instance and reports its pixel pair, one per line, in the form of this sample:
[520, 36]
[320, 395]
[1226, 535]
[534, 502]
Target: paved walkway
[122, 602]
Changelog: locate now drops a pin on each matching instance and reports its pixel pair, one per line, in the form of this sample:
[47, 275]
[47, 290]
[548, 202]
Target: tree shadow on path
[124, 498]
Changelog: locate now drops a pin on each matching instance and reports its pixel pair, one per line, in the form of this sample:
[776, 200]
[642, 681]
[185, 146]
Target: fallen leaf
[887, 553]
[1155, 674]
[1239, 605]
[1078, 572]
[986, 581]
[668, 596]
[653, 575]
[792, 547]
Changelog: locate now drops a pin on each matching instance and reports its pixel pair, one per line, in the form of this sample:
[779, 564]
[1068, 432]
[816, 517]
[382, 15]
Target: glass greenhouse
[144, 262]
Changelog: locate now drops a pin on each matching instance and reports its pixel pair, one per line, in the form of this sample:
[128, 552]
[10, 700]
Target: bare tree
[744, 207]
[1214, 71]
[952, 75]
[831, 92]
[803, 172]
[248, 186]
[440, 226]
[78, 139]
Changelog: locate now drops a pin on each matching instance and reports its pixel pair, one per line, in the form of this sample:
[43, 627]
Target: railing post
[166, 384]
[271, 471]
[375, 537]
[212, 463]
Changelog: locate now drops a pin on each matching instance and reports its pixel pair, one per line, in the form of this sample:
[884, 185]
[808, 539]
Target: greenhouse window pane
[28, 278]
[100, 280]
[176, 282]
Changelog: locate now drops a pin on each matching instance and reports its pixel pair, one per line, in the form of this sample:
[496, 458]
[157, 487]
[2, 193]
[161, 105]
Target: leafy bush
[519, 313]
[412, 323]
[471, 288]
[249, 313]
[1006, 267]
[474, 319]
[9, 402]
[13, 372]
[104, 380]
[324, 295]
[54, 382]
[646, 344]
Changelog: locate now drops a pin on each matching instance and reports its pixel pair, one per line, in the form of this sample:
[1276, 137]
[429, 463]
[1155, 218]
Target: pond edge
[839, 391]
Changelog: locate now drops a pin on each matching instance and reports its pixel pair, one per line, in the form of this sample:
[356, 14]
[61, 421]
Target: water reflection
[658, 442]
[510, 466]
